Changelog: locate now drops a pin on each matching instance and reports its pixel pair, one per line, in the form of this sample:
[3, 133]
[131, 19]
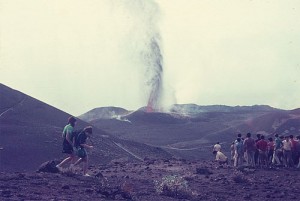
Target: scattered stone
[200, 182]
[88, 190]
[247, 197]
[21, 175]
[66, 187]
[203, 171]
[99, 175]
[246, 169]
[6, 192]
[49, 166]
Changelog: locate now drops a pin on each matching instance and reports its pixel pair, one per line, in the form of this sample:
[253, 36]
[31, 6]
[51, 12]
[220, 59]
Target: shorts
[67, 148]
[81, 152]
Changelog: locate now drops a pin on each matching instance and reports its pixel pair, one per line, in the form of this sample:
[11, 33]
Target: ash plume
[144, 46]
[153, 60]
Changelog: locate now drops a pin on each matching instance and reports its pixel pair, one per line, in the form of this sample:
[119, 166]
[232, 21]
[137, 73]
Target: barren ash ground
[153, 180]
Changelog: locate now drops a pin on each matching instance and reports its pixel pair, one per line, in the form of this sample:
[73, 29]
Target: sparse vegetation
[173, 186]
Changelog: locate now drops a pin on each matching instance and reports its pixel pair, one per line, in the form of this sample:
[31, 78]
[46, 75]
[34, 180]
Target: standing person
[277, 150]
[217, 147]
[249, 147]
[271, 146]
[294, 149]
[256, 154]
[287, 152]
[239, 153]
[281, 153]
[262, 147]
[67, 142]
[298, 148]
[232, 152]
[81, 146]
[239, 136]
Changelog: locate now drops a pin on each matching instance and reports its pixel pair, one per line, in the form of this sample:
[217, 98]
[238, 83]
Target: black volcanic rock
[164, 180]
[49, 166]
[203, 171]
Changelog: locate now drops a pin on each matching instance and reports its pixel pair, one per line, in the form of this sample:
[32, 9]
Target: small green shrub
[173, 186]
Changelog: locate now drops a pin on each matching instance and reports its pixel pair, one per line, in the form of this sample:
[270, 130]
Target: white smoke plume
[140, 25]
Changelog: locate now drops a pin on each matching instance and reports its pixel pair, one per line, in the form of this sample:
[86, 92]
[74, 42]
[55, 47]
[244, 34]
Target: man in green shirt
[68, 143]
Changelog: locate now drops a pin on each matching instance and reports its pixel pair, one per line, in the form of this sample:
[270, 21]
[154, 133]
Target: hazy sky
[78, 55]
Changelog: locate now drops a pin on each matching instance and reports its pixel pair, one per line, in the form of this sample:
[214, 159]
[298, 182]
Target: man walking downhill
[68, 143]
[81, 146]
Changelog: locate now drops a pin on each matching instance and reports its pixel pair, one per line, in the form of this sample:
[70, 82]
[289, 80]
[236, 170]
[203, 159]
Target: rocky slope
[30, 133]
[154, 180]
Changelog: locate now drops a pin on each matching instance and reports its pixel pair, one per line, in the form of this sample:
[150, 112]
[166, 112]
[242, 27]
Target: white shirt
[220, 157]
[287, 145]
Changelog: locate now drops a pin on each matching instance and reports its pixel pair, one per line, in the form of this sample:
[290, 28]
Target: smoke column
[144, 44]
[153, 60]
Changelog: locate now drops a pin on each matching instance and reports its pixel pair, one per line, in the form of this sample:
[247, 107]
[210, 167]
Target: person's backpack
[79, 137]
[75, 135]
[239, 147]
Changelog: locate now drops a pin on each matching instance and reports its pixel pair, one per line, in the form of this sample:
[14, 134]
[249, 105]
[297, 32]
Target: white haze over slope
[78, 55]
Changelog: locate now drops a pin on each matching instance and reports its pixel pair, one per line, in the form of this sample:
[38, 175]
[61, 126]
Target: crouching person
[81, 146]
[220, 157]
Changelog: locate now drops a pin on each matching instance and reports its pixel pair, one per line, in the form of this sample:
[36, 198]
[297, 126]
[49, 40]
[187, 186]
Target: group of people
[261, 152]
[282, 150]
[74, 144]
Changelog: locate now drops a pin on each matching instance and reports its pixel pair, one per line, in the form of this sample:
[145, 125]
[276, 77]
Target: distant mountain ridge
[103, 113]
[188, 128]
[193, 109]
